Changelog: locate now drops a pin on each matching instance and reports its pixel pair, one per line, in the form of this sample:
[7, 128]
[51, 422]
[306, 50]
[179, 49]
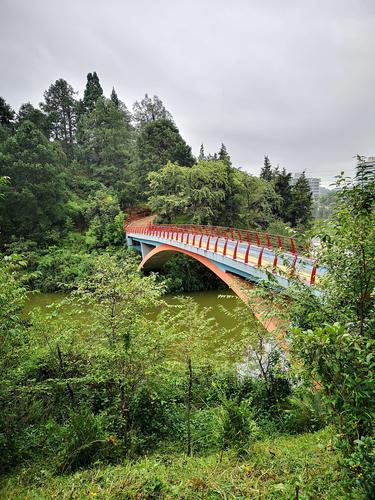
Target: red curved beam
[235, 283]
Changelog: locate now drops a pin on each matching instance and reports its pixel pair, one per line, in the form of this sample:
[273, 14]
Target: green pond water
[213, 299]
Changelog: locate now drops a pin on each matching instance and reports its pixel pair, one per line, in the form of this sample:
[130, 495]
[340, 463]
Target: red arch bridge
[228, 252]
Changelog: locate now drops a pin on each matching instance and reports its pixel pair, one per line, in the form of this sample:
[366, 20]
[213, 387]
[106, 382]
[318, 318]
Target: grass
[286, 467]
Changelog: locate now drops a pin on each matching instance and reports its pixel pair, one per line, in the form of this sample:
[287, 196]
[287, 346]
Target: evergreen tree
[223, 155]
[92, 92]
[34, 115]
[282, 181]
[300, 210]
[157, 143]
[150, 110]
[227, 214]
[34, 199]
[201, 153]
[266, 172]
[60, 107]
[6, 114]
[120, 105]
[114, 98]
[106, 146]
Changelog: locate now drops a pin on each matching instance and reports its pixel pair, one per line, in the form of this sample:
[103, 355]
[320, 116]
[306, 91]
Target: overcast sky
[289, 78]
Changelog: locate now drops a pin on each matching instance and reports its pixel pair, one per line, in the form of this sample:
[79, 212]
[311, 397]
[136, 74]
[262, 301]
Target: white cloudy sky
[289, 78]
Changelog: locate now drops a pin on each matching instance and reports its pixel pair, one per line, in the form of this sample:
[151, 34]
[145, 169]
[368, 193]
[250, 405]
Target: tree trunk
[62, 368]
[188, 405]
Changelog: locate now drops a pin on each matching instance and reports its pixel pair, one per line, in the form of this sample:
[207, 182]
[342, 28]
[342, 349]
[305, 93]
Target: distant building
[314, 183]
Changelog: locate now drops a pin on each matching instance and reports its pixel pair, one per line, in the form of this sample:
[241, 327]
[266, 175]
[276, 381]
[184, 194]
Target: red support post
[313, 274]
[218, 232]
[225, 247]
[231, 233]
[260, 257]
[194, 236]
[188, 239]
[208, 243]
[292, 244]
[248, 237]
[215, 249]
[235, 251]
[274, 263]
[247, 253]
[268, 241]
[200, 241]
[279, 242]
[239, 235]
[182, 235]
[225, 233]
[258, 240]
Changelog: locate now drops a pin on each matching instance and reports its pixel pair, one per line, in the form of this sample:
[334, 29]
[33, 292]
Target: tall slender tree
[201, 153]
[6, 113]
[300, 210]
[114, 98]
[266, 172]
[60, 106]
[92, 92]
[282, 182]
[106, 148]
[223, 155]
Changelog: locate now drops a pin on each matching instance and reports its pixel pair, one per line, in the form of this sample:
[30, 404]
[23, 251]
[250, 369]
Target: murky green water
[213, 299]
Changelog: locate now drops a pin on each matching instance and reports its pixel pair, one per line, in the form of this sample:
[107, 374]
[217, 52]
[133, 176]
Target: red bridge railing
[207, 237]
[260, 239]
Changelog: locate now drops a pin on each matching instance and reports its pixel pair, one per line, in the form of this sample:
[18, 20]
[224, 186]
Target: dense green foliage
[87, 394]
[335, 339]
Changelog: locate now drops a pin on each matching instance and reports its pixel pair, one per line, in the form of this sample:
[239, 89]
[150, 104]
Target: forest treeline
[69, 151]
[75, 167]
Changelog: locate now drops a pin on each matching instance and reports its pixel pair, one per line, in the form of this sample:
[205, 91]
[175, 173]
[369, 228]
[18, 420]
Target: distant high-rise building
[314, 183]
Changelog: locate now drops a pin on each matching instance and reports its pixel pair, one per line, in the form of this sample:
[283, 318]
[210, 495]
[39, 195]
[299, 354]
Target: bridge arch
[156, 257]
[160, 254]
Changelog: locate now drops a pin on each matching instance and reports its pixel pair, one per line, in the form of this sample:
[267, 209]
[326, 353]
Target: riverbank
[283, 467]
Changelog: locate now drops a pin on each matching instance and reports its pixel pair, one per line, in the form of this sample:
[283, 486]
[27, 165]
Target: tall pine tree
[114, 98]
[60, 106]
[92, 92]
[223, 155]
[300, 209]
[201, 153]
[266, 172]
[282, 180]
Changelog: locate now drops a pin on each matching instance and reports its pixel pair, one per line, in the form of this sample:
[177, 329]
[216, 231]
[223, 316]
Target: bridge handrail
[178, 232]
[268, 240]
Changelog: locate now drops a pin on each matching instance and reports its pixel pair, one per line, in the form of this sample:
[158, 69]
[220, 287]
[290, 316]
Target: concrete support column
[146, 249]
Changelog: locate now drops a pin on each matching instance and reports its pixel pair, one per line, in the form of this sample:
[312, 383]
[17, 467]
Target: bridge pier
[146, 249]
